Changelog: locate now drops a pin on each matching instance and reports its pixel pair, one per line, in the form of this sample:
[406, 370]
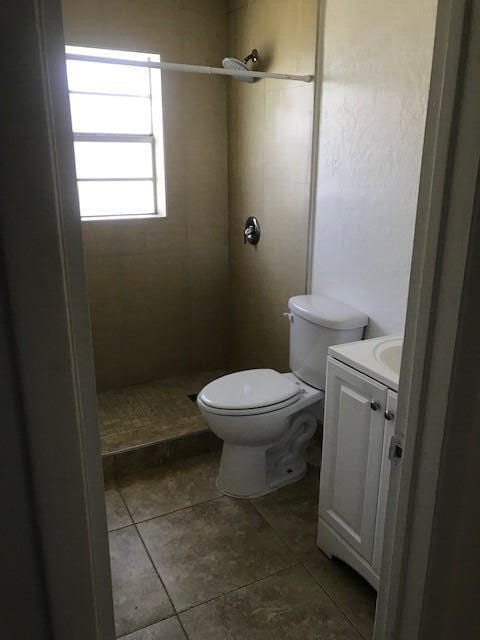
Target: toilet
[265, 418]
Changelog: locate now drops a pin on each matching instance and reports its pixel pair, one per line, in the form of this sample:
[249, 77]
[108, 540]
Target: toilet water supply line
[191, 68]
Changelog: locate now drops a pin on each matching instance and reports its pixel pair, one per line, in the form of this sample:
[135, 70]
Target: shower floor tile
[144, 414]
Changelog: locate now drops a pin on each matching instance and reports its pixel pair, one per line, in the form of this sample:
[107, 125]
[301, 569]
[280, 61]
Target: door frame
[51, 380]
[52, 472]
[436, 322]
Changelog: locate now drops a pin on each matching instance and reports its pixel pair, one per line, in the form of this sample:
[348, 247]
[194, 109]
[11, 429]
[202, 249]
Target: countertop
[366, 356]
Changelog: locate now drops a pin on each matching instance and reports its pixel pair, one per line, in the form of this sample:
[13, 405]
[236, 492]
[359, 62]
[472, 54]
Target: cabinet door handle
[374, 405]
[389, 415]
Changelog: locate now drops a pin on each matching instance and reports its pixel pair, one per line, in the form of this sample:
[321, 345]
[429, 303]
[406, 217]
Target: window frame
[155, 138]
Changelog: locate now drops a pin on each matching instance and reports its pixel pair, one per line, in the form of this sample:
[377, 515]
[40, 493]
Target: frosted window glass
[113, 160]
[97, 77]
[110, 114]
[116, 198]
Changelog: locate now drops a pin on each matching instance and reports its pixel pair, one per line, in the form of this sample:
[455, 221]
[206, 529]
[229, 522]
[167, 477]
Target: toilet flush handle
[289, 316]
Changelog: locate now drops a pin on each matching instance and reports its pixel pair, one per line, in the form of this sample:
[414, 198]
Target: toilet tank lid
[327, 312]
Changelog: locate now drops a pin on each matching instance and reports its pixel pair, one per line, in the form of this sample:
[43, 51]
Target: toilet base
[250, 472]
[259, 481]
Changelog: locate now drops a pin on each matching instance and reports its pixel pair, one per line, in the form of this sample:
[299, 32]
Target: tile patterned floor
[190, 563]
[152, 412]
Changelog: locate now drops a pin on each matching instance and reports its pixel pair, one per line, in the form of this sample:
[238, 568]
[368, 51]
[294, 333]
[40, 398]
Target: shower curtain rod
[190, 68]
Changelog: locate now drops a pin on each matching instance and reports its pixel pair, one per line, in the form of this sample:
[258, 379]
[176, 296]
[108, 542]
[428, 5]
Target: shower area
[177, 300]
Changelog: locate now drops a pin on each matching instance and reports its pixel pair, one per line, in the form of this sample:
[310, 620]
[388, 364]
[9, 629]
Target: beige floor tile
[171, 486]
[117, 514]
[169, 629]
[139, 598]
[286, 606]
[351, 593]
[293, 511]
[212, 548]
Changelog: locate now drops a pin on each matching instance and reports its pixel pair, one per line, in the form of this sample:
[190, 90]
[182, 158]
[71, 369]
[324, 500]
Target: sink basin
[389, 353]
[378, 358]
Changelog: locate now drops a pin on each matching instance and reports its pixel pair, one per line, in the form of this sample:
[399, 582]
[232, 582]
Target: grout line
[296, 562]
[277, 533]
[150, 624]
[168, 513]
[334, 602]
[161, 581]
[202, 502]
[124, 526]
[156, 571]
[243, 586]
[302, 564]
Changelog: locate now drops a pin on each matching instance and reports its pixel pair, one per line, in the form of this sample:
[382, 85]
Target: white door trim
[442, 236]
[42, 252]
[52, 374]
[317, 106]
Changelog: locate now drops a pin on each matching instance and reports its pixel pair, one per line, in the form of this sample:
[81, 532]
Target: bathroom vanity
[358, 445]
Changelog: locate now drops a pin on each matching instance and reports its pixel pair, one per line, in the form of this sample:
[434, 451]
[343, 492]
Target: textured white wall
[376, 75]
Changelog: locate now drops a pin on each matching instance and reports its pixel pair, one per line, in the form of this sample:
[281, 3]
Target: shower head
[234, 64]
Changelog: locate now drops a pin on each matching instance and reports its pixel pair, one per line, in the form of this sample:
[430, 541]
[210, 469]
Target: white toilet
[265, 418]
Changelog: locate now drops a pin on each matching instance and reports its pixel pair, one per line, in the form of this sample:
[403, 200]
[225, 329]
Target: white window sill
[150, 216]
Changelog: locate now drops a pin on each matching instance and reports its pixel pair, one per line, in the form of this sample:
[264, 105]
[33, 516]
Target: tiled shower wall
[270, 135]
[158, 287]
[183, 293]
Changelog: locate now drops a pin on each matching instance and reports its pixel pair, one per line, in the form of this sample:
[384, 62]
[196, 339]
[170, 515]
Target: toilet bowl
[266, 419]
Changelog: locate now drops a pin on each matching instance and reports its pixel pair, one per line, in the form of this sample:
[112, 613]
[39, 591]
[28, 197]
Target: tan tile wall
[270, 129]
[158, 288]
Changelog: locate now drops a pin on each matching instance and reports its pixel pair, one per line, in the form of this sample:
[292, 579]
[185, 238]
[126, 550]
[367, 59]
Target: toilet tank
[316, 323]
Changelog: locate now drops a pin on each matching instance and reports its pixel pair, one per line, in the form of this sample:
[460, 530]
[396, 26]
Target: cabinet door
[389, 430]
[352, 454]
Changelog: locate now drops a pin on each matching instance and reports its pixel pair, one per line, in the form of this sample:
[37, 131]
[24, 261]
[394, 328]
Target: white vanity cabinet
[358, 426]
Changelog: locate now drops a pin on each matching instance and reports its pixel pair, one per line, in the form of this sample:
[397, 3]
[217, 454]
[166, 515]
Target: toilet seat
[250, 392]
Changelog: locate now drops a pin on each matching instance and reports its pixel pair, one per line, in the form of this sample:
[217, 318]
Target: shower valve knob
[251, 231]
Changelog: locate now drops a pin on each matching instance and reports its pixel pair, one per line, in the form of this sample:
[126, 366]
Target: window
[118, 134]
